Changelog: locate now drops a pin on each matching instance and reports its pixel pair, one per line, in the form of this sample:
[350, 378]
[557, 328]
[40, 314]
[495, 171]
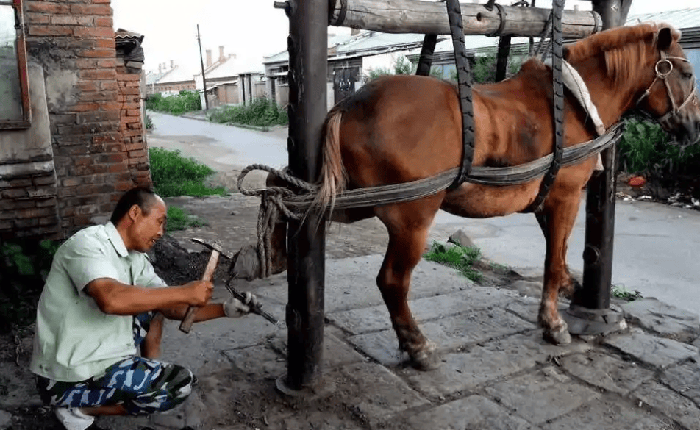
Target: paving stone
[336, 351]
[651, 349]
[259, 360]
[606, 371]
[658, 317]
[473, 412]
[351, 283]
[541, 396]
[467, 370]
[684, 379]
[373, 391]
[670, 403]
[528, 307]
[318, 421]
[359, 321]
[609, 414]
[473, 326]
[5, 419]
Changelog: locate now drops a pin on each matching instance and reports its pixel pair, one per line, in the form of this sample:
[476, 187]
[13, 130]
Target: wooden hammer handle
[186, 324]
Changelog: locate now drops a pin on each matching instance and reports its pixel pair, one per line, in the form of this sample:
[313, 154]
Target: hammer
[186, 324]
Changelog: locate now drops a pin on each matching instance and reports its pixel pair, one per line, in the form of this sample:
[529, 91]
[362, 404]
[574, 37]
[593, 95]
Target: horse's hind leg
[408, 225]
[556, 220]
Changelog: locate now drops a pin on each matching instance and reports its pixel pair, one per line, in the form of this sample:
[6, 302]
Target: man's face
[148, 228]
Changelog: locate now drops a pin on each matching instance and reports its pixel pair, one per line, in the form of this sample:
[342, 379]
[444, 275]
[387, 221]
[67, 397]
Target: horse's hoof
[426, 358]
[559, 336]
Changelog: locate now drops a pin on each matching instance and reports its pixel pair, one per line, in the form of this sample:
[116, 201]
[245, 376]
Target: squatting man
[101, 305]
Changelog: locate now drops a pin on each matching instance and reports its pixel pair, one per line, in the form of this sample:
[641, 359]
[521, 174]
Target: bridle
[660, 75]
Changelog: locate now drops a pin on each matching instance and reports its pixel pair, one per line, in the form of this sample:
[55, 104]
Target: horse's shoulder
[533, 65]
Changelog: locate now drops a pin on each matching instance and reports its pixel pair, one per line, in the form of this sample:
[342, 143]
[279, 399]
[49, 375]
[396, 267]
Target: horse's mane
[624, 48]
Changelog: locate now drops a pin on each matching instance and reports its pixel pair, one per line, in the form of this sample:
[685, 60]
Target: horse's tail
[333, 175]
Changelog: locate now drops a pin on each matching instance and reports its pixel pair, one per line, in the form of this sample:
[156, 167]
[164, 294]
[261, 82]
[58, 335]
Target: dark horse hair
[143, 197]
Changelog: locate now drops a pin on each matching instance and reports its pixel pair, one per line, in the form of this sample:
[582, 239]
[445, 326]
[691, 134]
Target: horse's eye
[687, 75]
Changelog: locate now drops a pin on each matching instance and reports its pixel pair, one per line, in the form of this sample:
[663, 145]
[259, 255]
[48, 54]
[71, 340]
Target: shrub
[185, 101]
[178, 219]
[175, 175]
[459, 257]
[260, 112]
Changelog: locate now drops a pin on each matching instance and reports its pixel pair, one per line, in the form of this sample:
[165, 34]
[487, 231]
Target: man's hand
[200, 292]
[234, 308]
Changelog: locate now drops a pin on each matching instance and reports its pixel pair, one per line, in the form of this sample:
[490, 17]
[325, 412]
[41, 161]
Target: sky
[251, 29]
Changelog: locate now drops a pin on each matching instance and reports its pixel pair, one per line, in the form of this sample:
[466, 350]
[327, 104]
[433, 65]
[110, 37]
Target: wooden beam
[415, 16]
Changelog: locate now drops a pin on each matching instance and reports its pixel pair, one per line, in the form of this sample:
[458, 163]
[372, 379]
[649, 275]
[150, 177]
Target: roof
[283, 57]
[681, 19]
[176, 74]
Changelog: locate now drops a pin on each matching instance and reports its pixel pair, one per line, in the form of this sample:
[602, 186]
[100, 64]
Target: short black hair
[143, 197]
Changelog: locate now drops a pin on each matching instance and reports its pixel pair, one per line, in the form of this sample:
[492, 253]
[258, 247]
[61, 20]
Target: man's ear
[134, 212]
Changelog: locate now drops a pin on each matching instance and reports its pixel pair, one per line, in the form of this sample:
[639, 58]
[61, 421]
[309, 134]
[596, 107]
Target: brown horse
[404, 128]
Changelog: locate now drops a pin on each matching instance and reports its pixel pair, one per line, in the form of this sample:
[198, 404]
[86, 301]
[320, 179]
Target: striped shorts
[141, 385]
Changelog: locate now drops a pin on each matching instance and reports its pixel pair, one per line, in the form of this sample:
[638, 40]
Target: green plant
[620, 292]
[484, 67]
[459, 257]
[178, 219]
[148, 123]
[185, 101]
[24, 266]
[261, 112]
[401, 66]
[174, 175]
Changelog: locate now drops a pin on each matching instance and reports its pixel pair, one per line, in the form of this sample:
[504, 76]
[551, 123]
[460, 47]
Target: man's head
[139, 217]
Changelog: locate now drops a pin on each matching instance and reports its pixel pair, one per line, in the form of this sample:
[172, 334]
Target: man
[101, 303]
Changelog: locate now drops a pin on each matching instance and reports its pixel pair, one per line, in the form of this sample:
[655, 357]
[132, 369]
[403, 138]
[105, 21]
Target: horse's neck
[612, 98]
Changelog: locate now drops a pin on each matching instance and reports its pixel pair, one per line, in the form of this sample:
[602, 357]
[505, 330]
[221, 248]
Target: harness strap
[426, 55]
[464, 78]
[558, 108]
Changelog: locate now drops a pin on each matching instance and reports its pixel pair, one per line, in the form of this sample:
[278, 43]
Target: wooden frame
[21, 52]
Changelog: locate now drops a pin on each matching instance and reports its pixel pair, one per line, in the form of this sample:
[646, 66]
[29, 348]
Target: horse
[404, 128]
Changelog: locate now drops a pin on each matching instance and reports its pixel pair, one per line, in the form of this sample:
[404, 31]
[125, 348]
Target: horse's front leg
[408, 226]
[556, 220]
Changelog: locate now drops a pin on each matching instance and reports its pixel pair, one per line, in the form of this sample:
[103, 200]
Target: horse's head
[672, 96]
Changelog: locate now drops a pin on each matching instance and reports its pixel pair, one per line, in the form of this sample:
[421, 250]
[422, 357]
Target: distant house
[169, 80]
[229, 81]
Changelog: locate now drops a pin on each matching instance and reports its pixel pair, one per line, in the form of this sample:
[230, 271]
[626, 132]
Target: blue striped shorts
[141, 385]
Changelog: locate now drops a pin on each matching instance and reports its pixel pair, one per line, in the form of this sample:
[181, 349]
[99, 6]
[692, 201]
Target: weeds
[148, 123]
[174, 175]
[185, 101]
[620, 292]
[178, 219]
[260, 112]
[459, 257]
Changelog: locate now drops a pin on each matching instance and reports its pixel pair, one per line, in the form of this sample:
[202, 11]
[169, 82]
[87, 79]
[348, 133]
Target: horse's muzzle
[685, 126]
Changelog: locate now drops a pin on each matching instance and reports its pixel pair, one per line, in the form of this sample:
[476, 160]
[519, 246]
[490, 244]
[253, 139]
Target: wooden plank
[415, 16]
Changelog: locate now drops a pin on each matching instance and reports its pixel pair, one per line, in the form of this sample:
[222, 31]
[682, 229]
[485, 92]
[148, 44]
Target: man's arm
[116, 298]
[204, 313]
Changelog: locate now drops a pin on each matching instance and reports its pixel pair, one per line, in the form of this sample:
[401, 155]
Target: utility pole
[201, 62]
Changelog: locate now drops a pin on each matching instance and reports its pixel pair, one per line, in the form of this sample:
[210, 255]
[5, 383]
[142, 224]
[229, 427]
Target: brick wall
[97, 154]
[131, 127]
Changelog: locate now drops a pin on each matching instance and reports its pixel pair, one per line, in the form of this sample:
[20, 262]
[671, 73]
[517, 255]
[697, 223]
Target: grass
[261, 112]
[178, 219]
[174, 175]
[459, 257]
[620, 292]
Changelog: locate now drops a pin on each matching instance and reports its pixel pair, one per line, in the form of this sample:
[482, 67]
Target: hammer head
[212, 245]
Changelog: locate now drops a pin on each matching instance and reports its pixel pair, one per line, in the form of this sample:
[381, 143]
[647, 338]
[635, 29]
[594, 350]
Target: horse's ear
[666, 37]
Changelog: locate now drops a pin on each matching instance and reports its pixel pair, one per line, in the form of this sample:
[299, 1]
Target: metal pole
[308, 64]
[590, 311]
[201, 62]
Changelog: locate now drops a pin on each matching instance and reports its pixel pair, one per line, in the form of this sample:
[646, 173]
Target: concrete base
[583, 321]
[321, 389]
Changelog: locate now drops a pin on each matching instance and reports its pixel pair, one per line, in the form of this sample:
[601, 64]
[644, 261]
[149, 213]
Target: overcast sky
[249, 28]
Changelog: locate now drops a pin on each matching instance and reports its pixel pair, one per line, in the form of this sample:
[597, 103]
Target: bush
[174, 175]
[260, 112]
[484, 67]
[646, 149]
[186, 101]
[178, 219]
[24, 266]
[149, 123]
[458, 257]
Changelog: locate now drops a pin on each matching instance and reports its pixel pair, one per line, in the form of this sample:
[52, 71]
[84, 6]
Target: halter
[663, 75]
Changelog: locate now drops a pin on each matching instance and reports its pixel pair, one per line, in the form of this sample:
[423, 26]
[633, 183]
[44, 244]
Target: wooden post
[502, 58]
[590, 311]
[306, 240]
[201, 62]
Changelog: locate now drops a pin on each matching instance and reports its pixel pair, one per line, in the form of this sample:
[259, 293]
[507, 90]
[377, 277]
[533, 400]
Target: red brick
[46, 6]
[50, 30]
[64, 20]
[94, 32]
[44, 180]
[107, 64]
[130, 77]
[104, 22]
[34, 18]
[71, 182]
[123, 185]
[104, 43]
[102, 52]
[34, 213]
[115, 106]
[94, 9]
[96, 74]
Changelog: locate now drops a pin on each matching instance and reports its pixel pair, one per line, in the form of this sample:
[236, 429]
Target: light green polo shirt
[74, 339]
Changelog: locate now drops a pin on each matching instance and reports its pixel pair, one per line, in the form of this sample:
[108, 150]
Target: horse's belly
[482, 201]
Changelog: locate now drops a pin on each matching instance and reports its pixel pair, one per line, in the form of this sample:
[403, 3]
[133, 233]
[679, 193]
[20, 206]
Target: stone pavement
[496, 371]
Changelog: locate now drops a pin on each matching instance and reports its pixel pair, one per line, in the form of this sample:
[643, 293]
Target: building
[170, 80]
[71, 134]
